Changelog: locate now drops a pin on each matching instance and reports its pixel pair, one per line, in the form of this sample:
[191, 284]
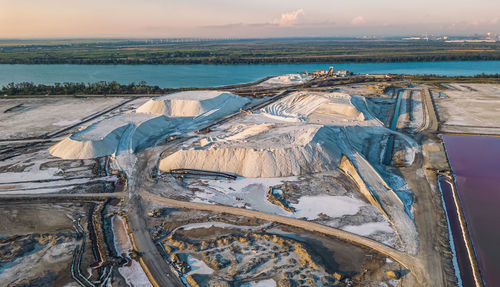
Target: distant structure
[332, 73]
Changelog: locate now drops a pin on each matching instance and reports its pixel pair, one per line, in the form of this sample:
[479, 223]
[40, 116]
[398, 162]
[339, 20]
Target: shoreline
[245, 87]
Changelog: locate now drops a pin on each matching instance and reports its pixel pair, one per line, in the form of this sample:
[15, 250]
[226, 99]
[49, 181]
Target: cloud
[359, 20]
[288, 19]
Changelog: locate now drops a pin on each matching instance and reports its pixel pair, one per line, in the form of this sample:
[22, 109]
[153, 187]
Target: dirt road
[430, 225]
[430, 119]
[156, 265]
[404, 259]
[433, 251]
[160, 272]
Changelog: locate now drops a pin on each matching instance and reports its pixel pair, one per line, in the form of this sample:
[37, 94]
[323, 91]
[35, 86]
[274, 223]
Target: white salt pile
[279, 152]
[194, 104]
[286, 80]
[302, 133]
[278, 141]
[109, 136]
[239, 133]
[154, 120]
[299, 106]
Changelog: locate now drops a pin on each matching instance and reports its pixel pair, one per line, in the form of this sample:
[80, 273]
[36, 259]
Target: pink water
[475, 161]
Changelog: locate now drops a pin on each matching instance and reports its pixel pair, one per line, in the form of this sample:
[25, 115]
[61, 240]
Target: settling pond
[475, 162]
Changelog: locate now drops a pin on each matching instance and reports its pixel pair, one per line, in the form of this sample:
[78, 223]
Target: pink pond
[475, 161]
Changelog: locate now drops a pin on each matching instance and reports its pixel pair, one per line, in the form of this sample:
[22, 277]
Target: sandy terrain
[471, 108]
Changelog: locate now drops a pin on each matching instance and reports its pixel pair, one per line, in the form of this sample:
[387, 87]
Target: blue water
[395, 118]
[394, 123]
[175, 76]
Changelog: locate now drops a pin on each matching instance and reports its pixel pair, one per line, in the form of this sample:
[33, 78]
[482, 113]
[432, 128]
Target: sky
[245, 18]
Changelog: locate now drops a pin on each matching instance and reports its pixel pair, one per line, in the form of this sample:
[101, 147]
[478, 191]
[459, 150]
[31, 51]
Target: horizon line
[366, 37]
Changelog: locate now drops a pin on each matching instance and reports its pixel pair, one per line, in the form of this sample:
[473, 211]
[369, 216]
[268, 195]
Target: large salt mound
[194, 104]
[152, 121]
[109, 136]
[299, 106]
[278, 152]
[71, 148]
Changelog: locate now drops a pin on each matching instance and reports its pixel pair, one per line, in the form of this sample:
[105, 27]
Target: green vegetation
[477, 79]
[239, 51]
[99, 88]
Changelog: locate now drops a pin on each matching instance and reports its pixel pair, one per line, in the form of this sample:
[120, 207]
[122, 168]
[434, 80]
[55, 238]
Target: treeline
[487, 76]
[438, 79]
[478, 76]
[158, 59]
[99, 88]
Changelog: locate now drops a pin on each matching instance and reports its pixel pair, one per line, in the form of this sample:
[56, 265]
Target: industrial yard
[321, 179]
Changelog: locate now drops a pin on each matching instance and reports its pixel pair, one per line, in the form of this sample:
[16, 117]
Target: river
[176, 76]
[475, 162]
